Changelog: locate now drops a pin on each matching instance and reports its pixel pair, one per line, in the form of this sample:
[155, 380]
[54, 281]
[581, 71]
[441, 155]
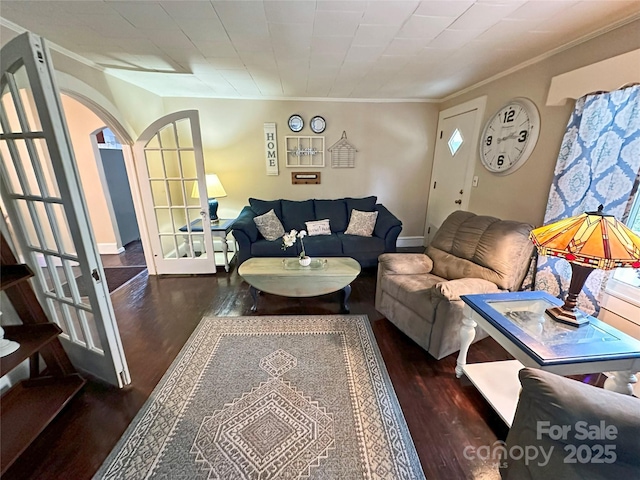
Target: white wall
[82, 122]
[394, 142]
[523, 195]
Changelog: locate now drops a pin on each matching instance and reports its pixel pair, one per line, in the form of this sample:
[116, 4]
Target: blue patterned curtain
[598, 163]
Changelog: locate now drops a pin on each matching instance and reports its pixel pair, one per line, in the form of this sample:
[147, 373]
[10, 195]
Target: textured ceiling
[339, 49]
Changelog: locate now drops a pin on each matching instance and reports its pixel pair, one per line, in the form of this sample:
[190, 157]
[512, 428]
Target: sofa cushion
[559, 401]
[361, 223]
[414, 291]
[318, 227]
[352, 244]
[269, 226]
[335, 211]
[294, 214]
[326, 245]
[260, 207]
[366, 204]
[265, 248]
[469, 245]
[404, 264]
[446, 234]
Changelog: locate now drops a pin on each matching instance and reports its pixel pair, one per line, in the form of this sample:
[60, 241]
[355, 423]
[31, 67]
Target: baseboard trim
[109, 249]
[410, 242]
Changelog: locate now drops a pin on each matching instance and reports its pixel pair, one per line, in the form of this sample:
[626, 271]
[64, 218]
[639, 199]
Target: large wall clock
[509, 136]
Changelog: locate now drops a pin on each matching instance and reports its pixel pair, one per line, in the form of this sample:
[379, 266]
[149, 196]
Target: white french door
[41, 194]
[170, 168]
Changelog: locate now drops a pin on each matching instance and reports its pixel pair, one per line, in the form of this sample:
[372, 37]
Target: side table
[219, 229]
[518, 322]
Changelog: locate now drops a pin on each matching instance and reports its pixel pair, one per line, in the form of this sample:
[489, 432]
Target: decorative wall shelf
[305, 178]
[343, 154]
[305, 151]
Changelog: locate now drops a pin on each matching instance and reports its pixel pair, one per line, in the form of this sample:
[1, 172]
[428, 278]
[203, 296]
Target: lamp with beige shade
[214, 190]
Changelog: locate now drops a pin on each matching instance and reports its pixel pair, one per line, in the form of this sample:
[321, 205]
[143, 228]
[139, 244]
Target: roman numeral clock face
[509, 136]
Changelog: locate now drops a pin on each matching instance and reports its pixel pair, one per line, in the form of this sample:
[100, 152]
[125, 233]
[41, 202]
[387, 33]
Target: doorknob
[458, 202]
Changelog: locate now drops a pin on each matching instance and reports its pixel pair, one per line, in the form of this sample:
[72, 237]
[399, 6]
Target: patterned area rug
[273, 397]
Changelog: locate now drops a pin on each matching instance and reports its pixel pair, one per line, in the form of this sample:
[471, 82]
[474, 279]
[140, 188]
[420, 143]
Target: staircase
[29, 406]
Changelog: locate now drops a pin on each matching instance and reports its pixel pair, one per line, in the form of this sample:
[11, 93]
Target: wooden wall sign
[305, 178]
[271, 148]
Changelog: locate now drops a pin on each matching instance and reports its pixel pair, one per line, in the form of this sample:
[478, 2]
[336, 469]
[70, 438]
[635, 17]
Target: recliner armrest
[452, 289]
[404, 264]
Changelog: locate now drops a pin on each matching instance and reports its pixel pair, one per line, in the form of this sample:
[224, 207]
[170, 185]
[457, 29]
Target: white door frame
[93, 138]
[478, 104]
[126, 141]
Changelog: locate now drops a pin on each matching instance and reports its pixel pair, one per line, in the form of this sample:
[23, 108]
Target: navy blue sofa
[294, 214]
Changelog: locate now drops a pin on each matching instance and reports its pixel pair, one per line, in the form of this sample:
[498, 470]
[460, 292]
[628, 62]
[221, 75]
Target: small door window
[455, 142]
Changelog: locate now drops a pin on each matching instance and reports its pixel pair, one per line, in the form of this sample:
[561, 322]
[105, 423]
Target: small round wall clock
[296, 123]
[509, 136]
[317, 124]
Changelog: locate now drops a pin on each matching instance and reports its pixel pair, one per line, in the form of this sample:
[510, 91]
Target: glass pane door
[47, 212]
[171, 153]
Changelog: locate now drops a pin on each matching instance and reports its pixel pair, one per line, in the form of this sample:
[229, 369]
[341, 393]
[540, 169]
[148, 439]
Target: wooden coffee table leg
[347, 294]
[254, 294]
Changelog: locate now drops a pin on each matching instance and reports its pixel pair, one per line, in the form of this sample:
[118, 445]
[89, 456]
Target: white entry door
[47, 211]
[170, 167]
[453, 164]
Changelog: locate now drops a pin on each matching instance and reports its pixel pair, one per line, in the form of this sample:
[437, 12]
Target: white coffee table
[517, 321]
[286, 277]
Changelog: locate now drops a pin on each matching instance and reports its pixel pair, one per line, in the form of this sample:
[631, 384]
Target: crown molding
[327, 99]
[53, 46]
[544, 56]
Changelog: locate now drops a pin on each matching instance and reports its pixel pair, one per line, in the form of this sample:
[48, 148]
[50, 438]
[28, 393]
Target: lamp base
[574, 318]
[213, 210]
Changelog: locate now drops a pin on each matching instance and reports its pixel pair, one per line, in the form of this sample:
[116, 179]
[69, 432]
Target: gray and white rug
[274, 397]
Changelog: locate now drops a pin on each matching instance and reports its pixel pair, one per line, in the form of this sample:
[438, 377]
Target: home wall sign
[271, 148]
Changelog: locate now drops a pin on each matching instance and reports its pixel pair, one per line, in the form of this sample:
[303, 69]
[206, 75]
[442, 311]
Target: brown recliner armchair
[576, 431]
[469, 254]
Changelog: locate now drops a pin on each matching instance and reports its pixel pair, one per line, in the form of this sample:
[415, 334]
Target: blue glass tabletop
[522, 318]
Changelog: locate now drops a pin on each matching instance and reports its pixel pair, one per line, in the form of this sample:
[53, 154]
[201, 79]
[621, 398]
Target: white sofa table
[219, 229]
[518, 322]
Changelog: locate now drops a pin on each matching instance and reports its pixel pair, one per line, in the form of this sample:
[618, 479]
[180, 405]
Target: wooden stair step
[31, 339]
[27, 408]
[13, 274]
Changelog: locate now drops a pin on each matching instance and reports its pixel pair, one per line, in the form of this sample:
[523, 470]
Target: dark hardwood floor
[156, 316]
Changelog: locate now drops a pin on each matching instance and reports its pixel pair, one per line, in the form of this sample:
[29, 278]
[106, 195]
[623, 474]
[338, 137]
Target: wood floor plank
[156, 316]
